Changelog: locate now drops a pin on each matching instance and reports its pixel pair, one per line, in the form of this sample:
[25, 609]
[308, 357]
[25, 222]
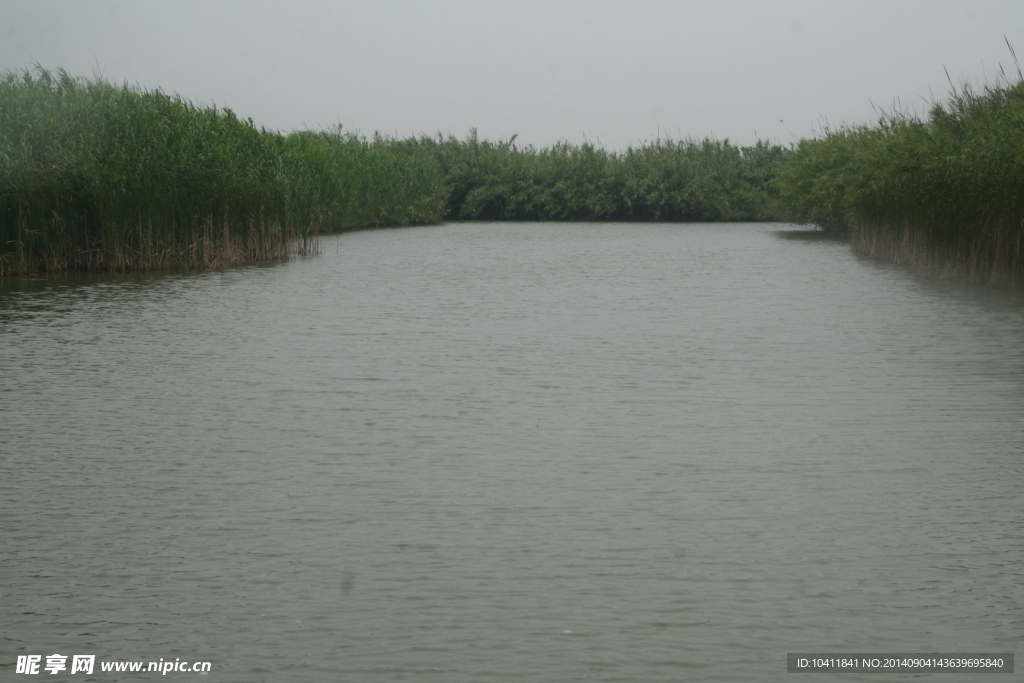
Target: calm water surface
[500, 452]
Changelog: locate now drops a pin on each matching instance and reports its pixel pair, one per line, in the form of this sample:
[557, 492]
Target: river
[512, 452]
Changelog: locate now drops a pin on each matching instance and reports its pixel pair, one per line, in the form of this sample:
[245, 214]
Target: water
[487, 452]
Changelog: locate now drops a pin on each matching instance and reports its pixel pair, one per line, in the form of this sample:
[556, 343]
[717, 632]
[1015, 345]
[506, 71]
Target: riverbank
[940, 195]
[96, 176]
[664, 180]
[100, 177]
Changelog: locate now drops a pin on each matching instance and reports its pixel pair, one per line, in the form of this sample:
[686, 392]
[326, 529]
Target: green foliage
[105, 177]
[98, 176]
[342, 181]
[945, 192]
[708, 180]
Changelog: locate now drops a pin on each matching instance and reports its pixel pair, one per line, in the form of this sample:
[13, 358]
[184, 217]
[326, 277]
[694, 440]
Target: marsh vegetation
[664, 180]
[942, 194]
[96, 176]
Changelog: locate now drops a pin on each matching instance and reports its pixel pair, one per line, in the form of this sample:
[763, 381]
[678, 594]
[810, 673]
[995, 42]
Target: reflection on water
[524, 452]
[805, 235]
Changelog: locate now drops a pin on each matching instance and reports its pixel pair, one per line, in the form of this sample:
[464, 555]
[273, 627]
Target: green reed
[95, 176]
[942, 194]
[665, 180]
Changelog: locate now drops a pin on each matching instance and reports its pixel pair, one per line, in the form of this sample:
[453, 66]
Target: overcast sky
[610, 72]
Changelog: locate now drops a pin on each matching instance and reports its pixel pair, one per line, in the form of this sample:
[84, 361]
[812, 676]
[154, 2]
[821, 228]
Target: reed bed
[95, 176]
[98, 176]
[664, 180]
[943, 195]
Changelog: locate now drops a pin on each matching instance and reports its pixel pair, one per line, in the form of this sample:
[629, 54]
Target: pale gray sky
[614, 72]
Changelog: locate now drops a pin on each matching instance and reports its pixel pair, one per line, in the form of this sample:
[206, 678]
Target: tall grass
[343, 181]
[95, 176]
[943, 194]
[686, 180]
